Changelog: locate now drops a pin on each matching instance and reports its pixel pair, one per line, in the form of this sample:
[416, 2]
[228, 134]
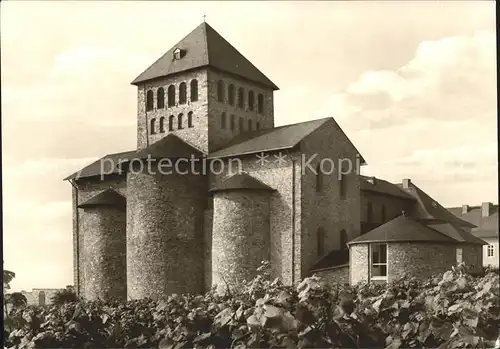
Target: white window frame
[490, 251]
[379, 278]
[459, 255]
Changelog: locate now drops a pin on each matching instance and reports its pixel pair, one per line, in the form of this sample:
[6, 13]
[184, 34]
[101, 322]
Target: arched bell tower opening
[200, 78]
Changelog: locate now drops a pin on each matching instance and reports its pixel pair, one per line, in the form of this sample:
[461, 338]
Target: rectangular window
[378, 262]
[233, 122]
[459, 255]
[369, 212]
[491, 251]
[320, 241]
[342, 184]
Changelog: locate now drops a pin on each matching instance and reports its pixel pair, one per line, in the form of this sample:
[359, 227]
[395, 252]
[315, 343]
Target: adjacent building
[485, 220]
[405, 232]
[42, 296]
[213, 188]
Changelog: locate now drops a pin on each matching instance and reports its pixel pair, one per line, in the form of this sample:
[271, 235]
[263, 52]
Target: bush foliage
[453, 310]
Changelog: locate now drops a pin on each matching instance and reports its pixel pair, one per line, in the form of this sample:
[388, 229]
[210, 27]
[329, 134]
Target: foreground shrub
[64, 296]
[453, 310]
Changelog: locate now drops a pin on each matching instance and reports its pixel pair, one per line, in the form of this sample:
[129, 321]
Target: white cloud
[448, 79]
[432, 120]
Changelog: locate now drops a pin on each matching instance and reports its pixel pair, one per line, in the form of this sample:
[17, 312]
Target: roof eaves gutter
[330, 268]
[250, 152]
[396, 241]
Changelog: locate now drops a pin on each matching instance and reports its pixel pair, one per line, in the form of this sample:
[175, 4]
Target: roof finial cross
[204, 16]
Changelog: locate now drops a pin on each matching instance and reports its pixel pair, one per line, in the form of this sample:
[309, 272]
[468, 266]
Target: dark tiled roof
[430, 209]
[108, 197]
[456, 233]
[241, 181]
[278, 138]
[205, 47]
[403, 228]
[107, 164]
[170, 146]
[486, 226]
[333, 259]
[381, 186]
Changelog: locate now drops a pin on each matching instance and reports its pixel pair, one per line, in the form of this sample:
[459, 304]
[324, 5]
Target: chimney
[406, 183]
[486, 209]
[465, 209]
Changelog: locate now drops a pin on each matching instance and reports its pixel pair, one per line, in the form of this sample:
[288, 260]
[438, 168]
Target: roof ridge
[325, 120]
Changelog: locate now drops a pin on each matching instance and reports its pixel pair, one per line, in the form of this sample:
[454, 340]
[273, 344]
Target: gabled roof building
[214, 187]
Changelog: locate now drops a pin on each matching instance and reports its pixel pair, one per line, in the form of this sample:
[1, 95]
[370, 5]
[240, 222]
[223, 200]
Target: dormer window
[178, 53]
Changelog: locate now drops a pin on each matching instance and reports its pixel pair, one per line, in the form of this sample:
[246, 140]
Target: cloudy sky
[413, 85]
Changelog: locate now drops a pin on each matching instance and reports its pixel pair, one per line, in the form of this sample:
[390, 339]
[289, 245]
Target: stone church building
[213, 188]
[143, 232]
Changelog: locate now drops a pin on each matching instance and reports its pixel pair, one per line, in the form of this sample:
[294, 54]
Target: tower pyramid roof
[201, 48]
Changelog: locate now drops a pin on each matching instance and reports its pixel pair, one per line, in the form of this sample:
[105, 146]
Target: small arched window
[182, 93]
[320, 241]
[250, 125]
[251, 100]
[160, 98]
[233, 122]
[179, 121]
[230, 96]
[241, 124]
[241, 98]
[342, 185]
[369, 212]
[162, 124]
[152, 126]
[319, 178]
[220, 91]
[171, 96]
[194, 90]
[41, 298]
[149, 100]
[190, 119]
[223, 120]
[171, 123]
[260, 103]
[343, 239]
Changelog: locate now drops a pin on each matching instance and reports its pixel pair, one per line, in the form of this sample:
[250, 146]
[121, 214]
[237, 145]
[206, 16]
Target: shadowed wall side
[103, 253]
[164, 234]
[241, 235]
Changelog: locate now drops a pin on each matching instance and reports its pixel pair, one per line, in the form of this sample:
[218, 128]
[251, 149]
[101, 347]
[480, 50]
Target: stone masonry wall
[103, 253]
[339, 275]
[241, 236]
[207, 253]
[421, 260]
[358, 263]
[277, 175]
[88, 188]
[198, 134]
[219, 136]
[472, 255]
[165, 233]
[326, 208]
